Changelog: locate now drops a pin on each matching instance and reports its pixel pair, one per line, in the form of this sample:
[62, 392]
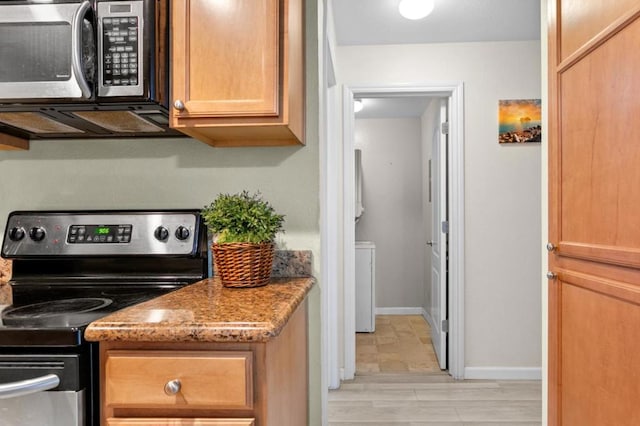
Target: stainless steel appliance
[84, 68]
[71, 268]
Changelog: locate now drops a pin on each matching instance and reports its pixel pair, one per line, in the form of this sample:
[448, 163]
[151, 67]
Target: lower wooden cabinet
[207, 384]
[180, 422]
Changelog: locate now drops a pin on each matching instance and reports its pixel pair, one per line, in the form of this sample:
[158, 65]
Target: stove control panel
[102, 233]
[99, 234]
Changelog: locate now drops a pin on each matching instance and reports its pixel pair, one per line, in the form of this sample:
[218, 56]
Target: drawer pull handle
[172, 387]
[179, 105]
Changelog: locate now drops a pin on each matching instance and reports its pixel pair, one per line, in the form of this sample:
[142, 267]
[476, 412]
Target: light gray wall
[502, 185]
[392, 198]
[183, 173]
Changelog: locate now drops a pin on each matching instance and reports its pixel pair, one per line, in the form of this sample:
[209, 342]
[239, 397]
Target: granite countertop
[5, 276]
[206, 312]
[5, 270]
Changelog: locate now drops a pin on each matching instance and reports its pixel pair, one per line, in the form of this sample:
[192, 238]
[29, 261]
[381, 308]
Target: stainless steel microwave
[68, 66]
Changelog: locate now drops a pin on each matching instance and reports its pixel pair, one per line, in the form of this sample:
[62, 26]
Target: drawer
[208, 379]
[180, 422]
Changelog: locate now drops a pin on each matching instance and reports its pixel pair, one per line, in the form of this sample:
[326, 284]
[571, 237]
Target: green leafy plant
[242, 218]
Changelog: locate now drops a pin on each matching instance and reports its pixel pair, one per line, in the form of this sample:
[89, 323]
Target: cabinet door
[225, 58]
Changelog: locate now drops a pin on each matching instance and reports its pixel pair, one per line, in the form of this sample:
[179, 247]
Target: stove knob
[37, 233]
[182, 233]
[16, 234]
[161, 233]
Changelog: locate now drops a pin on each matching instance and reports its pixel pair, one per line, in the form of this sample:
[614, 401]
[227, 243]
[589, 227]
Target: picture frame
[519, 121]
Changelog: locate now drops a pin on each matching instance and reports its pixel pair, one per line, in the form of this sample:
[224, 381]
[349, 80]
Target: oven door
[46, 51]
[41, 390]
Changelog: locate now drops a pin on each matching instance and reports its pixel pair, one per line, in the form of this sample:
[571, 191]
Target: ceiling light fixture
[357, 105]
[415, 9]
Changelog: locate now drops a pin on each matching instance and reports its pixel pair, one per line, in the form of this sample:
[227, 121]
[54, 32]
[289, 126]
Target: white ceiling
[360, 22]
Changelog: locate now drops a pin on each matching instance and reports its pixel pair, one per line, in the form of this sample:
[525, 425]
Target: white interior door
[438, 242]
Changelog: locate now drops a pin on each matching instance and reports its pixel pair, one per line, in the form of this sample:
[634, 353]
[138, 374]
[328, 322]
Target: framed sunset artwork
[519, 121]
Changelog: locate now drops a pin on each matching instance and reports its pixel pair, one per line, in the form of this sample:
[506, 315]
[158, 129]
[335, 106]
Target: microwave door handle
[76, 50]
[28, 387]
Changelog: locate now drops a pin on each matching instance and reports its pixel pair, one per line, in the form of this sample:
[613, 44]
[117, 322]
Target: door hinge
[445, 326]
[444, 128]
[445, 226]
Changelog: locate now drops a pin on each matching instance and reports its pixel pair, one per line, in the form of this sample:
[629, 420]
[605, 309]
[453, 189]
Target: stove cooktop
[61, 322]
[57, 313]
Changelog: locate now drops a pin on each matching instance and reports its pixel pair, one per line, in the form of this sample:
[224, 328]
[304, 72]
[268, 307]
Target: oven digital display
[99, 234]
[102, 230]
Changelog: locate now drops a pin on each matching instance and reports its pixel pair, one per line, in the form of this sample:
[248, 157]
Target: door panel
[594, 200]
[596, 367]
[439, 240]
[580, 24]
[599, 167]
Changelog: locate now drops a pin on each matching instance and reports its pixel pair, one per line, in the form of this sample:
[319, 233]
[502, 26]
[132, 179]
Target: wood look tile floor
[400, 343]
[434, 400]
[386, 394]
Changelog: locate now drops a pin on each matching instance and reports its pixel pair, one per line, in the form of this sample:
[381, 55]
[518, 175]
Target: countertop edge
[269, 309]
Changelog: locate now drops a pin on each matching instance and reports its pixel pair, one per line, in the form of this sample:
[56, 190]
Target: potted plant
[244, 227]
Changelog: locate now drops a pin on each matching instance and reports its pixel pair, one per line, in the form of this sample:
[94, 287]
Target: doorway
[454, 203]
[400, 244]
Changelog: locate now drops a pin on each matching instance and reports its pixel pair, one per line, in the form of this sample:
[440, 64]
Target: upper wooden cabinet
[237, 71]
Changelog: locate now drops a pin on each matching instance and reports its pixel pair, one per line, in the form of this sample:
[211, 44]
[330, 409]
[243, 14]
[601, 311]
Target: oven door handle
[27, 387]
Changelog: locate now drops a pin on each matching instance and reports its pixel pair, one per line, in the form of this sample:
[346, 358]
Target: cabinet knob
[172, 387]
[179, 105]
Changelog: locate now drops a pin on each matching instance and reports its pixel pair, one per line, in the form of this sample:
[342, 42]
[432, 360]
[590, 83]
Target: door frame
[455, 92]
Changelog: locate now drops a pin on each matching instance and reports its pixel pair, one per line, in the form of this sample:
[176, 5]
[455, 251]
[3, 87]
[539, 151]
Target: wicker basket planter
[244, 227]
[243, 265]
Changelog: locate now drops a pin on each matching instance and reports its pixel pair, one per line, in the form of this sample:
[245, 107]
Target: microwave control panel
[120, 34]
[120, 57]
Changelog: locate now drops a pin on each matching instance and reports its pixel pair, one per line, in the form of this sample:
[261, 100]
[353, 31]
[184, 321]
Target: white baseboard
[398, 311]
[427, 318]
[503, 373]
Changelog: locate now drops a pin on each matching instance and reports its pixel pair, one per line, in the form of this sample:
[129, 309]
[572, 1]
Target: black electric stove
[72, 268]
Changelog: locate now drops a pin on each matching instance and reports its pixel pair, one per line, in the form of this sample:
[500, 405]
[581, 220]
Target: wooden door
[594, 208]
